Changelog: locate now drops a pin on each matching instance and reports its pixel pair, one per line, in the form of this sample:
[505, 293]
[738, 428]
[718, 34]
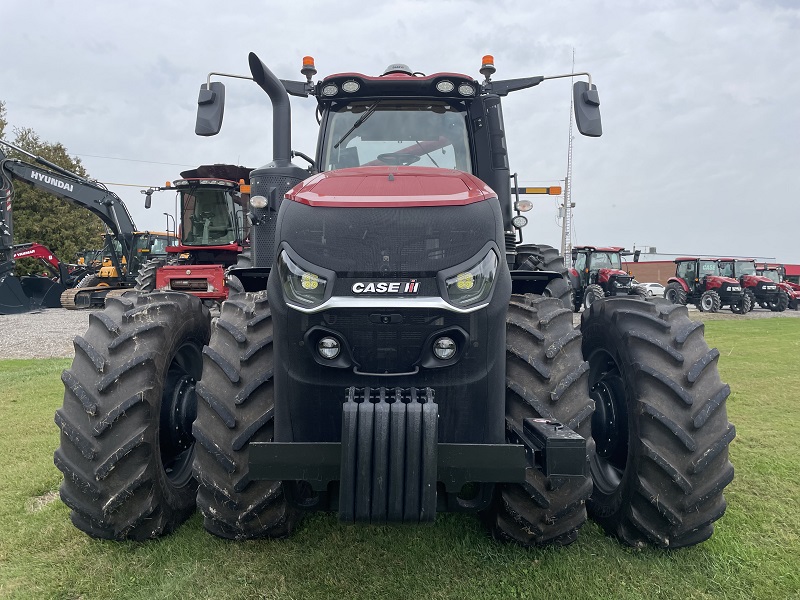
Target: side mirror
[587, 109]
[148, 200]
[210, 108]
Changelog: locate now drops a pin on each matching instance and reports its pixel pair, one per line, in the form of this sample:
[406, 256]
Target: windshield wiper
[358, 123]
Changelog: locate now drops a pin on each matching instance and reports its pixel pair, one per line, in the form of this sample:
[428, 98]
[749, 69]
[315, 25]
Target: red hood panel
[603, 275]
[372, 187]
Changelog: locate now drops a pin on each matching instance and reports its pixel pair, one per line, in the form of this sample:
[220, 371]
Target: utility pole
[568, 204]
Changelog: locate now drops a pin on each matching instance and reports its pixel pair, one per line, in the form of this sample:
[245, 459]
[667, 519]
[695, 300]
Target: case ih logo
[386, 287]
[52, 181]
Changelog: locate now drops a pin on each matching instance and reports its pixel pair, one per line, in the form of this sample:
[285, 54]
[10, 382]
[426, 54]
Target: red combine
[211, 203]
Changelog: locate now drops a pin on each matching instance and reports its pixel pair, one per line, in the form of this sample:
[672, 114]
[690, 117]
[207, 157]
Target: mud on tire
[660, 424]
[545, 377]
[126, 448]
[235, 407]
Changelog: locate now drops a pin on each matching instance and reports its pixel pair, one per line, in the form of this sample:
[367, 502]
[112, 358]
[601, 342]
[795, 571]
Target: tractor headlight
[474, 284]
[299, 285]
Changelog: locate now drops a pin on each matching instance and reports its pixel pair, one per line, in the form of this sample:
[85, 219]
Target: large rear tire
[540, 257]
[236, 408]
[660, 424]
[146, 278]
[545, 377]
[675, 293]
[126, 445]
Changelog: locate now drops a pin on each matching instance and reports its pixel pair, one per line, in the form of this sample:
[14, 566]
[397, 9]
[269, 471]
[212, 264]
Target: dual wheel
[637, 381]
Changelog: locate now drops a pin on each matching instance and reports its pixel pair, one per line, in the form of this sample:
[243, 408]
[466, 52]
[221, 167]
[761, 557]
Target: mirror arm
[208, 79]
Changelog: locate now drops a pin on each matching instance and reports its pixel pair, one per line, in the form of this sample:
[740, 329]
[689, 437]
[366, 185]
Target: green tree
[42, 217]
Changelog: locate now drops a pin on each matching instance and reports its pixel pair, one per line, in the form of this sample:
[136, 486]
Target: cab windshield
[744, 267]
[210, 217]
[605, 260]
[773, 275]
[709, 267]
[396, 132]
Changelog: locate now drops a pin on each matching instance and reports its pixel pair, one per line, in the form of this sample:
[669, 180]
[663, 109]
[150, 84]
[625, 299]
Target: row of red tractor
[709, 283]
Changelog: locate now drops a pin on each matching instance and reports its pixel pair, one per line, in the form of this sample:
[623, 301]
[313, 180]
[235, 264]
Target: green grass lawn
[755, 552]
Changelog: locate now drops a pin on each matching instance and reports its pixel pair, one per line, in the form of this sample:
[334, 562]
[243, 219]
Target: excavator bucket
[42, 292]
[13, 299]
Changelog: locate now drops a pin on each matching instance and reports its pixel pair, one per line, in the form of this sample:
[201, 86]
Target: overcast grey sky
[700, 99]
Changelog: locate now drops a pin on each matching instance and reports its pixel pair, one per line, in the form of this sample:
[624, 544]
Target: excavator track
[89, 297]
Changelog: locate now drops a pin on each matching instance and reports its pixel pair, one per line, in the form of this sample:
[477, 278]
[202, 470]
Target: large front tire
[781, 304]
[592, 294]
[545, 377]
[660, 424]
[126, 445]
[710, 302]
[235, 408]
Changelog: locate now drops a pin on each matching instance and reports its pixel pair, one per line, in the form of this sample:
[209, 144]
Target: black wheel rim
[609, 422]
[178, 411]
[672, 295]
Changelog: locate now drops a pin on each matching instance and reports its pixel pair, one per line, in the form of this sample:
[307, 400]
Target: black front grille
[389, 242]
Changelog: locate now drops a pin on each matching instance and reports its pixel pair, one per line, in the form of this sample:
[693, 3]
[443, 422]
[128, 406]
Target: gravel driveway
[42, 334]
[49, 333]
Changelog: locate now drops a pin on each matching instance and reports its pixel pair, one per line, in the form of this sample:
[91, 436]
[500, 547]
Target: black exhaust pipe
[281, 110]
[272, 180]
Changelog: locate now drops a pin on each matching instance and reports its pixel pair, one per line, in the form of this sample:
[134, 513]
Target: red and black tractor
[759, 289]
[777, 273]
[390, 357]
[698, 281]
[597, 273]
[211, 201]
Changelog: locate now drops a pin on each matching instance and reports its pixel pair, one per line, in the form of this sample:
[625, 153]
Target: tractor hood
[754, 280]
[718, 280]
[391, 186]
[603, 275]
[418, 221]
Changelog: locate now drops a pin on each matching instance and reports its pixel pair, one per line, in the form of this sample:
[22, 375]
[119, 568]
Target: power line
[151, 162]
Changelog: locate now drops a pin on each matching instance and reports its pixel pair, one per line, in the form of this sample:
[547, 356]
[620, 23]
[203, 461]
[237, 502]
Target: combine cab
[212, 201]
[597, 273]
[698, 281]
[390, 356]
[758, 288]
